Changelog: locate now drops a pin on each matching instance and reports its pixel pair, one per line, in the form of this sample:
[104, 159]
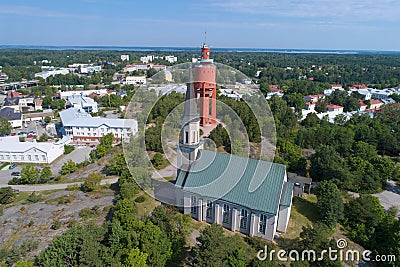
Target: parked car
[15, 174]
[12, 166]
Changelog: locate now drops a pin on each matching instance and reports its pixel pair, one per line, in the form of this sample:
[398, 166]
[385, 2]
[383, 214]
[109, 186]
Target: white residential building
[365, 92]
[65, 95]
[14, 117]
[12, 150]
[125, 57]
[135, 80]
[83, 128]
[313, 98]
[83, 102]
[230, 93]
[89, 69]
[48, 73]
[171, 59]
[380, 94]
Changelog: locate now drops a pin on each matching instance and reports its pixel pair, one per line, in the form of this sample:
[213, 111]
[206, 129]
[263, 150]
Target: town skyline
[325, 25]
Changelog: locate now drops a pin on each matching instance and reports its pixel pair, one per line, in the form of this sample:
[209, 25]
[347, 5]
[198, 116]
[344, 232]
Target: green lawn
[304, 212]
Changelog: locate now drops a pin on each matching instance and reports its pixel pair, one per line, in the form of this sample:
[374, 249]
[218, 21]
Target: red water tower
[206, 87]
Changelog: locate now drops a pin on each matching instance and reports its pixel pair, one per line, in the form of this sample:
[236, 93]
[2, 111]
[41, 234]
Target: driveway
[391, 196]
[78, 155]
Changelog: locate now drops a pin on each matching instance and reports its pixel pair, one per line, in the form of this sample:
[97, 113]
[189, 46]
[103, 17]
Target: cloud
[38, 12]
[348, 10]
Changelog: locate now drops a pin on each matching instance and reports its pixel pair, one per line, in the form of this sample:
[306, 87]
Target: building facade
[83, 128]
[12, 150]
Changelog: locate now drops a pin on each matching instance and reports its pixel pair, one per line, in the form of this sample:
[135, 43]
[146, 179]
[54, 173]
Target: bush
[7, 195]
[68, 149]
[33, 198]
[92, 182]
[140, 199]
[14, 181]
[86, 213]
[56, 225]
[1, 210]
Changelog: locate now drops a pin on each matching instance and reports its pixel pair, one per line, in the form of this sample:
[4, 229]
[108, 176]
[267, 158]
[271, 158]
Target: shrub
[33, 198]
[140, 199]
[7, 195]
[68, 149]
[56, 225]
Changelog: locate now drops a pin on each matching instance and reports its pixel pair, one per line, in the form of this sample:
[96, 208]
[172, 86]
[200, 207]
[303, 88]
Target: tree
[236, 258]
[47, 100]
[142, 177]
[330, 205]
[43, 138]
[7, 195]
[45, 174]
[158, 160]
[117, 164]
[318, 238]
[311, 120]
[29, 175]
[5, 127]
[210, 250]
[320, 107]
[47, 119]
[105, 145]
[135, 258]
[68, 167]
[363, 216]
[295, 100]
[156, 244]
[325, 164]
[92, 182]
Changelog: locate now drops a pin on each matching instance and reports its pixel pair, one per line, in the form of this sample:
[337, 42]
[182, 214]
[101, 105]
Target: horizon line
[18, 46]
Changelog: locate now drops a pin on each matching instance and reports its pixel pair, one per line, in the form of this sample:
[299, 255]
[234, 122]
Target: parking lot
[78, 155]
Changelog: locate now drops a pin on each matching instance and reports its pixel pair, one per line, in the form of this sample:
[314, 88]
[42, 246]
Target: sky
[279, 24]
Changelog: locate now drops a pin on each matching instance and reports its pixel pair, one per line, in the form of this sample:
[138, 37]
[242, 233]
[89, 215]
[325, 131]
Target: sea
[182, 49]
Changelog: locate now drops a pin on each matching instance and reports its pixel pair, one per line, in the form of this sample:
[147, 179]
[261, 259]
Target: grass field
[304, 212]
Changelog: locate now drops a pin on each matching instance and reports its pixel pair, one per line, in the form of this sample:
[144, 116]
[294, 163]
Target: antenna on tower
[205, 37]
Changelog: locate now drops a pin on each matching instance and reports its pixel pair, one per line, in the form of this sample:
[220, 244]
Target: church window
[193, 205]
[243, 218]
[263, 223]
[225, 215]
[209, 209]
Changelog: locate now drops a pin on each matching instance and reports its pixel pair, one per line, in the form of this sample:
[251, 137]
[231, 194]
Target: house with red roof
[334, 108]
[313, 98]
[363, 106]
[336, 87]
[375, 104]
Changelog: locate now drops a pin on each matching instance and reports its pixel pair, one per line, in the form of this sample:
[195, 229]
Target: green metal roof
[286, 199]
[251, 183]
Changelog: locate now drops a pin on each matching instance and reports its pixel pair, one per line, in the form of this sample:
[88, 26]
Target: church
[220, 188]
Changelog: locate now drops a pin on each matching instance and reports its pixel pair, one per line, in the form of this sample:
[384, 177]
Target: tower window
[186, 137]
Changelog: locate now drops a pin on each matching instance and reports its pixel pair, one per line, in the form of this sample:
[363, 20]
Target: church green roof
[286, 199]
[250, 183]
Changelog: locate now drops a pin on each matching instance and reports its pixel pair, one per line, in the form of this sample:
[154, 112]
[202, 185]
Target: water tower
[205, 87]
